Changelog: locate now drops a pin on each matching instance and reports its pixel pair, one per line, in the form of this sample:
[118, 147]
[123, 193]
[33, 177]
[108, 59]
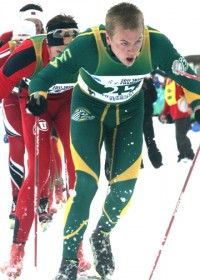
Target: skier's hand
[162, 118]
[37, 103]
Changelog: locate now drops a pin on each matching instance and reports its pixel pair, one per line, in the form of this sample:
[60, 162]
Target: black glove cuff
[37, 106]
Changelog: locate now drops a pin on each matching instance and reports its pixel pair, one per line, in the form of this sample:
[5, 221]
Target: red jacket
[15, 69]
[22, 63]
[173, 92]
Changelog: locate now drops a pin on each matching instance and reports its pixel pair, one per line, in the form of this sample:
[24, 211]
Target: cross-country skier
[25, 61]
[112, 61]
[12, 115]
[30, 16]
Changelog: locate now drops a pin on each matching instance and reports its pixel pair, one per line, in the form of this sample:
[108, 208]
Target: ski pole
[36, 187]
[188, 75]
[174, 213]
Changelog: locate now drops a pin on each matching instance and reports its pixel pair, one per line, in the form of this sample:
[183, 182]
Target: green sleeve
[57, 71]
[164, 54]
[64, 68]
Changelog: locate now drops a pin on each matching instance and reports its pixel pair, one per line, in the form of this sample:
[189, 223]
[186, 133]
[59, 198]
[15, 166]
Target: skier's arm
[161, 44]
[20, 64]
[62, 69]
[164, 112]
[55, 72]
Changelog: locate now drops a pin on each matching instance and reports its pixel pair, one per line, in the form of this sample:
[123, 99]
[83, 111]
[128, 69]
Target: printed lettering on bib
[113, 89]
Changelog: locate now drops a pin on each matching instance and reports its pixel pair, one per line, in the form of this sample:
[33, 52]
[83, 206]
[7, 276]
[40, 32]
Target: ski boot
[44, 217]
[186, 156]
[59, 191]
[68, 270]
[14, 268]
[51, 209]
[103, 257]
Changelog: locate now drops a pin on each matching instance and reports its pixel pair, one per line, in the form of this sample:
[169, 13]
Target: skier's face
[126, 44]
[66, 36]
[56, 50]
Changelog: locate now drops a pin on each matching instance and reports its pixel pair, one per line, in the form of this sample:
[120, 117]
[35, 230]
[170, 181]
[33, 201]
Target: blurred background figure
[29, 24]
[176, 106]
[34, 13]
[11, 112]
[26, 60]
[31, 12]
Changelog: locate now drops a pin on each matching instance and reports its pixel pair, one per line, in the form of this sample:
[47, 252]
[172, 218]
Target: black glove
[37, 103]
[197, 115]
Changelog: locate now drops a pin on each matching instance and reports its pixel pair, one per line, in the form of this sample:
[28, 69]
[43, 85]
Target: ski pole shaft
[36, 187]
[188, 75]
[174, 214]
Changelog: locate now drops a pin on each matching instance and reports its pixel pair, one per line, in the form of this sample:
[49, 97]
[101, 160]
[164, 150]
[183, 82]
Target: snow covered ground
[137, 238]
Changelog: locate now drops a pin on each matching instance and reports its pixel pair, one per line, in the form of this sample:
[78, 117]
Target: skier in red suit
[27, 59]
[30, 15]
[12, 116]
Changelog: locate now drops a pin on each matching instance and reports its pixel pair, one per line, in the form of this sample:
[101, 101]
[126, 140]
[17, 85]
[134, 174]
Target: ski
[13, 278]
[86, 276]
[90, 277]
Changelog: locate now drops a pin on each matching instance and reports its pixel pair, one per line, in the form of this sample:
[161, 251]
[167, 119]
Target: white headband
[32, 13]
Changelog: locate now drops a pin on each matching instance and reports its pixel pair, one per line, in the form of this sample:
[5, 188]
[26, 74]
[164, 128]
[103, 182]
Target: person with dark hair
[36, 52]
[27, 25]
[12, 116]
[32, 9]
[107, 103]
[23, 29]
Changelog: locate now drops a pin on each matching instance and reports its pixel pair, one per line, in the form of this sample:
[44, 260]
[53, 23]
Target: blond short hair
[124, 14]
